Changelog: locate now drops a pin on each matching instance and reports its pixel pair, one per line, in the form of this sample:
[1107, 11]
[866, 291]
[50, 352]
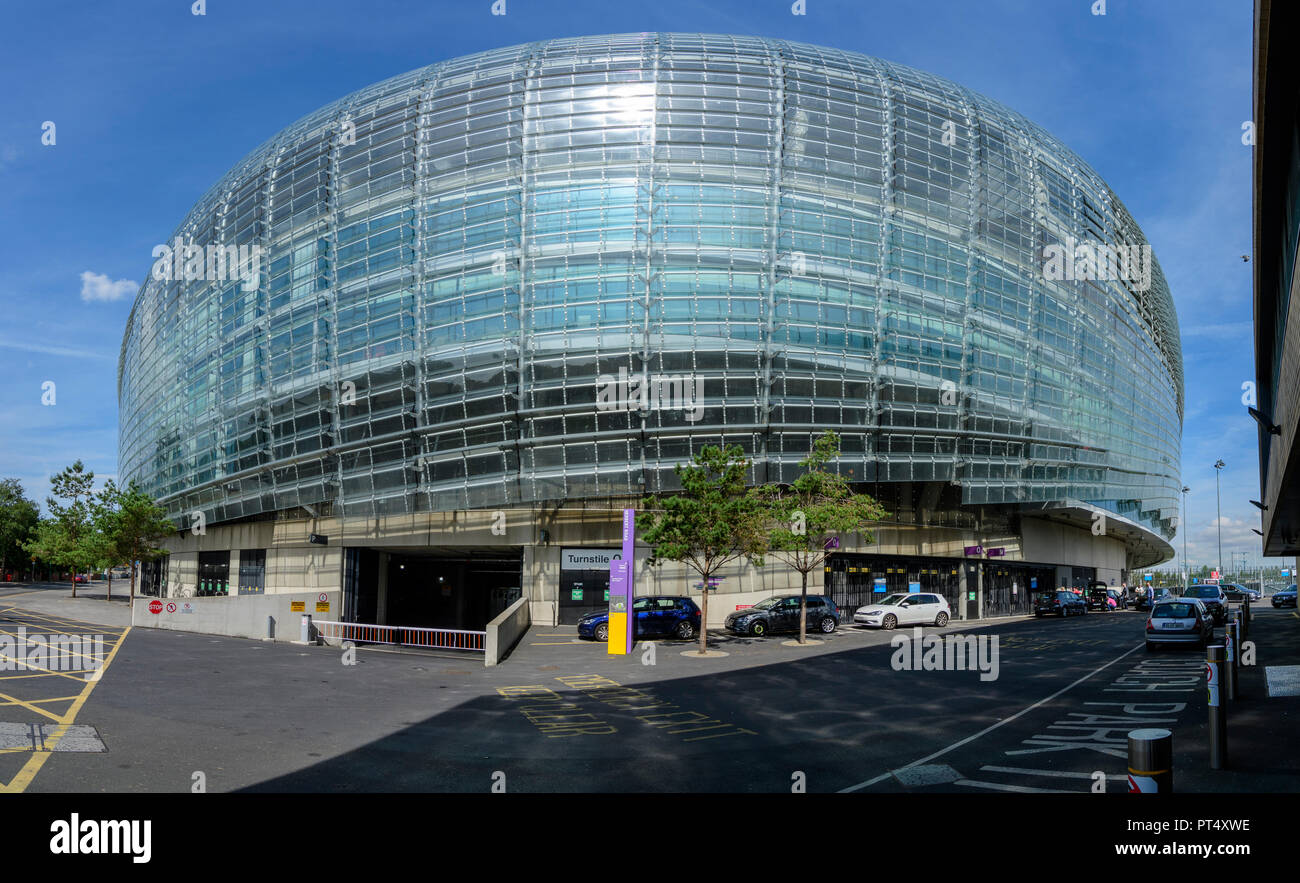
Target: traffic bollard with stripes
[1214, 673]
[1150, 761]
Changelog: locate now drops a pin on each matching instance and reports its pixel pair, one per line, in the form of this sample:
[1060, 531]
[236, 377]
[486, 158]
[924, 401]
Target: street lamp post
[1218, 465]
[1185, 564]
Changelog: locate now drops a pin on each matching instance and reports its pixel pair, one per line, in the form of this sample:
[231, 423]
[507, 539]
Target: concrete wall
[239, 616]
[300, 569]
[506, 630]
[1054, 543]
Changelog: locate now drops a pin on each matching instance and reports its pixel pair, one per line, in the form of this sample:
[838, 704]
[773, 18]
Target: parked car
[80, 578]
[1142, 603]
[1237, 592]
[1098, 598]
[675, 617]
[1059, 602]
[1211, 595]
[781, 614]
[1180, 621]
[904, 608]
[1285, 598]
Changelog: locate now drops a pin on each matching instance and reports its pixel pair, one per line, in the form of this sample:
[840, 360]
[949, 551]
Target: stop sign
[155, 606]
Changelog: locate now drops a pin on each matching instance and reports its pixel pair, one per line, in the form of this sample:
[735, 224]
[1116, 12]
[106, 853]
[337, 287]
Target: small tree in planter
[711, 523]
[806, 518]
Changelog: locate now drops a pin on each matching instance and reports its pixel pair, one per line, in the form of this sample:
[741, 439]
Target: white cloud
[97, 286]
[73, 351]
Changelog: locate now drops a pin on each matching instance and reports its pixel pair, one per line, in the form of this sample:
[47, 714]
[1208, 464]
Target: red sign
[171, 606]
[155, 606]
[322, 597]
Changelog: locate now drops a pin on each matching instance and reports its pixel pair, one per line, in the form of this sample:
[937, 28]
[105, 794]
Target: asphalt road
[174, 711]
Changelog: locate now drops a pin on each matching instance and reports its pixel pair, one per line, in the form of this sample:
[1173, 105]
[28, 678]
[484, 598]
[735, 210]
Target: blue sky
[153, 104]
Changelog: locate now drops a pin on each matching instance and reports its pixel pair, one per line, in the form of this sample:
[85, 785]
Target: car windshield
[891, 600]
[1203, 592]
[767, 604]
[1174, 611]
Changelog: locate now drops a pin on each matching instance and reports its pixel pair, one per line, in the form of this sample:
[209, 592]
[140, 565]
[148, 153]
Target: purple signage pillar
[622, 622]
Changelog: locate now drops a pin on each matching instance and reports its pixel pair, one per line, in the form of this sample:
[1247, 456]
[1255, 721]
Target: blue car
[1285, 598]
[668, 617]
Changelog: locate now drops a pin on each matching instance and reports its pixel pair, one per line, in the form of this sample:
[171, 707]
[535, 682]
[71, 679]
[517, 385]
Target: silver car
[1179, 621]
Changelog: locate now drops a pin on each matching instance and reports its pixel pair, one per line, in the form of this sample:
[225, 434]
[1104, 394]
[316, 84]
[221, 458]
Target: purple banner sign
[974, 550]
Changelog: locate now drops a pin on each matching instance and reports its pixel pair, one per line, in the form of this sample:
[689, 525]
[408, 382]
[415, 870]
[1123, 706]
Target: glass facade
[453, 259]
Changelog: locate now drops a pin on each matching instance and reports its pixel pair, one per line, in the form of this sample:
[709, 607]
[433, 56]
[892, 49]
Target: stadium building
[483, 306]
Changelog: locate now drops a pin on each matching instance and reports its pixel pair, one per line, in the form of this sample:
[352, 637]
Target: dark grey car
[1213, 598]
[781, 614]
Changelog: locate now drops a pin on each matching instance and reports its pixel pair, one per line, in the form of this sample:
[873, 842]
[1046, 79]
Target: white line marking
[1022, 789]
[1058, 774]
[989, 729]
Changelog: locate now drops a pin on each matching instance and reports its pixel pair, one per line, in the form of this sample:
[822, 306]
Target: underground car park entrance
[425, 588]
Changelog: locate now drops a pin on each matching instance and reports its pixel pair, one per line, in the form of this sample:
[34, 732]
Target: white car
[902, 608]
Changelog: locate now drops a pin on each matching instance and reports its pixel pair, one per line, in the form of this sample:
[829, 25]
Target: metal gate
[1009, 589]
[853, 581]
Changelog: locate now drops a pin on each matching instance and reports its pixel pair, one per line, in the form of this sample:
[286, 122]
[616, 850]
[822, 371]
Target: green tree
[805, 517]
[67, 537]
[18, 519]
[711, 523]
[131, 525]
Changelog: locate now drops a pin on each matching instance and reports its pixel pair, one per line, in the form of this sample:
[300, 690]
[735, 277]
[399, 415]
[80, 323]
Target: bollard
[305, 634]
[1234, 632]
[1229, 661]
[270, 627]
[1150, 761]
[1245, 618]
[1214, 665]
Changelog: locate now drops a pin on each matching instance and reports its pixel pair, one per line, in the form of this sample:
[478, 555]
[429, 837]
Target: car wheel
[602, 632]
[941, 620]
[685, 630]
[827, 625]
[758, 629]
[889, 622]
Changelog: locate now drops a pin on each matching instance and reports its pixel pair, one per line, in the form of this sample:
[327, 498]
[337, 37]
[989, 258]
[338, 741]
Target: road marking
[989, 729]
[1019, 789]
[1054, 774]
[65, 621]
[23, 780]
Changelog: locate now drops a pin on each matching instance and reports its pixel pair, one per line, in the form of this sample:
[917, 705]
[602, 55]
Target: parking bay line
[989, 729]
